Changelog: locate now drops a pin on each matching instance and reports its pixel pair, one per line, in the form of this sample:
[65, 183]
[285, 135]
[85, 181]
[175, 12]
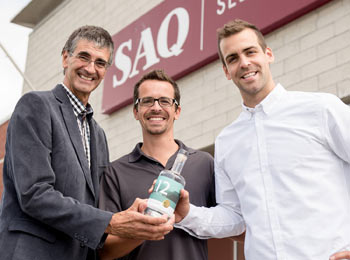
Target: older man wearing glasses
[55, 153]
[156, 107]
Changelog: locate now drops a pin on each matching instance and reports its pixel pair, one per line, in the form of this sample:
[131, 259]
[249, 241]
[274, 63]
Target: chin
[156, 132]
[86, 88]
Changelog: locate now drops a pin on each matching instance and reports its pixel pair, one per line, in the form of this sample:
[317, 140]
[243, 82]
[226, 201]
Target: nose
[244, 61]
[156, 105]
[90, 67]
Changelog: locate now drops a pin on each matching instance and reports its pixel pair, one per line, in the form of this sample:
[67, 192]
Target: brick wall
[3, 128]
[311, 54]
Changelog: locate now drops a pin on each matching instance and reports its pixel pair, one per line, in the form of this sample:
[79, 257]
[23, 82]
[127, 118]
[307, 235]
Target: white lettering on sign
[146, 47]
[184, 25]
[124, 63]
[230, 4]
[149, 52]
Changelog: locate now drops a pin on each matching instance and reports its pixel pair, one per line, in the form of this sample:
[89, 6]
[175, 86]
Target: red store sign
[179, 36]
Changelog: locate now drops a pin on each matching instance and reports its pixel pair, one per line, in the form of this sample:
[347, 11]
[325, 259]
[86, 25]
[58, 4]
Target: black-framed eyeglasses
[162, 101]
[85, 58]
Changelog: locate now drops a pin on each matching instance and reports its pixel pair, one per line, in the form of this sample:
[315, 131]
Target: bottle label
[165, 195]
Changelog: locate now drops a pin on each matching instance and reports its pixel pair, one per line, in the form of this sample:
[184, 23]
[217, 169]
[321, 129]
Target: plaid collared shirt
[82, 113]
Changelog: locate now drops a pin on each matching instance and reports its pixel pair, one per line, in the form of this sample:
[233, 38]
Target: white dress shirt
[282, 172]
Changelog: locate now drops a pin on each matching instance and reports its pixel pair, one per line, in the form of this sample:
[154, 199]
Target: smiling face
[248, 66]
[81, 77]
[156, 120]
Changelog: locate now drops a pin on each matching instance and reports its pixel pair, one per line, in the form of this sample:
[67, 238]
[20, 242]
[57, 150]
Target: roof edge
[35, 12]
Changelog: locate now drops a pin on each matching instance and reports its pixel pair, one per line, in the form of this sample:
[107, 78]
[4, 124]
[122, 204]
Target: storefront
[310, 40]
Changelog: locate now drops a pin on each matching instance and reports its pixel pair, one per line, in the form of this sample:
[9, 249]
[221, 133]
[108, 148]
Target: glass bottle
[166, 191]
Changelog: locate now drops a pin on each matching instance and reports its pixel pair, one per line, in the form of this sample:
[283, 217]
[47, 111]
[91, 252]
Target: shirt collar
[137, 153]
[78, 107]
[268, 102]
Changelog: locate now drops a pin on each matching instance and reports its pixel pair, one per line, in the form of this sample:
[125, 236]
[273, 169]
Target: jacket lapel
[73, 129]
[94, 164]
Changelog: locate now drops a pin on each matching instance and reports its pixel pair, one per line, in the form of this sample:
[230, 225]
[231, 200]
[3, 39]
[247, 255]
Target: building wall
[3, 129]
[311, 54]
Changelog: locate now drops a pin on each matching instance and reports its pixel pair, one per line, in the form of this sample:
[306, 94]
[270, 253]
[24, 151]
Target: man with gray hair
[55, 155]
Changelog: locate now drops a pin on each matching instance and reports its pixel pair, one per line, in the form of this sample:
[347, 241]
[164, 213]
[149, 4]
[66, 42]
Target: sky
[14, 39]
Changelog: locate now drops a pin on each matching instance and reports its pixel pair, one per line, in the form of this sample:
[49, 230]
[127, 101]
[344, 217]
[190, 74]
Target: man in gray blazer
[55, 155]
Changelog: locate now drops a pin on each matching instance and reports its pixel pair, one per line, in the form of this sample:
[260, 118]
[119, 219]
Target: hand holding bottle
[167, 188]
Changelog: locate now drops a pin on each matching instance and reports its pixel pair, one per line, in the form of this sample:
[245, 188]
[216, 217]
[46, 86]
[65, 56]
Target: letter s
[223, 6]
[122, 62]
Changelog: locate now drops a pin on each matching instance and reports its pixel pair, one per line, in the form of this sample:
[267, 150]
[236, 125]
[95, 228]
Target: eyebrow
[248, 48]
[234, 55]
[84, 53]
[88, 54]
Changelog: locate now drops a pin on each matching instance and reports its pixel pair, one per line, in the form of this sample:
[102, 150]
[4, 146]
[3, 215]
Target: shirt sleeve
[336, 124]
[223, 220]
[109, 198]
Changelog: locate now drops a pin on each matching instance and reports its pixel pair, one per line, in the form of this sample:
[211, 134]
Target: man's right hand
[131, 223]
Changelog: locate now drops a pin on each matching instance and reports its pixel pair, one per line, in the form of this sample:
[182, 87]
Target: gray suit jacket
[48, 208]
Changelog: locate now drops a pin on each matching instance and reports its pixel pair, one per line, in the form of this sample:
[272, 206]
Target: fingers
[139, 205]
[151, 220]
[184, 195]
[149, 232]
[340, 255]
[132, 224]
[142, 207]
[171, 220]
[152, 187]
[183, 206]
[135, 205]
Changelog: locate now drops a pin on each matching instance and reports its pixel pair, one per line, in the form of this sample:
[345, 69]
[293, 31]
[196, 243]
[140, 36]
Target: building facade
[312, 53]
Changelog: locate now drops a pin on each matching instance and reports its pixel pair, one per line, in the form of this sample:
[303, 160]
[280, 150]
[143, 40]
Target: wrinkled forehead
[92, 48]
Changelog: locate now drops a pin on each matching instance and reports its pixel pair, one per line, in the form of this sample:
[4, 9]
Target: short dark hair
[157, 75]
[234, 27]
[95, 34]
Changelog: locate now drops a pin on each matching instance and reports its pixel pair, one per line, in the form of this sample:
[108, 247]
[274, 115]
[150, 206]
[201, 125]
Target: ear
[228, 76]
[136, 115]
[65, 57]
[269, 55]
[177, 113]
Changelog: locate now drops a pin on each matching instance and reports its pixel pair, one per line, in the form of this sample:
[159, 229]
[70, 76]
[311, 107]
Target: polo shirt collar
[137, 153]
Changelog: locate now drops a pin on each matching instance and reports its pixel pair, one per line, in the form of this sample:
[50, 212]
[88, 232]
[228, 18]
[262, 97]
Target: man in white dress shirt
[282, 168]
